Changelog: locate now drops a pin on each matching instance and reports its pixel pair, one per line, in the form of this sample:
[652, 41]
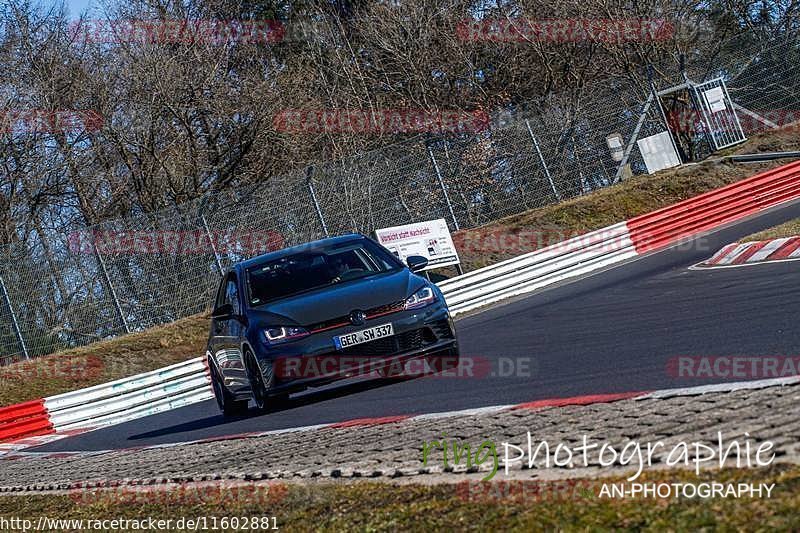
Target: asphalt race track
[611, 332]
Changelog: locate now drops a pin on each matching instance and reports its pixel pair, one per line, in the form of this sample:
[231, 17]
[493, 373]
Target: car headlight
[421, 298]
[279, 334]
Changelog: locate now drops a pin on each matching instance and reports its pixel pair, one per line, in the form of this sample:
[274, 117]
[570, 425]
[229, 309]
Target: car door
[226, 335]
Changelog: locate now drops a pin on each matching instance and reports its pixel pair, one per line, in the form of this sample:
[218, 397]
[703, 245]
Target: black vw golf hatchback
[322, 311]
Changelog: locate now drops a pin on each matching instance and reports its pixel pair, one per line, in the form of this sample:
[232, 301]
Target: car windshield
[314, 269]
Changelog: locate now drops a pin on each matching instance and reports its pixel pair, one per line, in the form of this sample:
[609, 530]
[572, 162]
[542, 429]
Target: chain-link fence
[77, 286]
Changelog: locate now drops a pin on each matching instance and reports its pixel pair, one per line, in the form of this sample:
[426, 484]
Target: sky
[74, 7]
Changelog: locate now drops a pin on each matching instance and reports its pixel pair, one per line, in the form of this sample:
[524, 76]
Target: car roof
[285, 252]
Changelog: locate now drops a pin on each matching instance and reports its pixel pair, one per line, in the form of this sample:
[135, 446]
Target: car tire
[260, 385]
[229, 405]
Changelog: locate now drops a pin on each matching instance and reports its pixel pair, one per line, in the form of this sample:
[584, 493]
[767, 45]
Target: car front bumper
[314, 359]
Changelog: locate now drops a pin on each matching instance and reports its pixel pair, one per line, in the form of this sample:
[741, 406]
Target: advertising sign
[429, 239]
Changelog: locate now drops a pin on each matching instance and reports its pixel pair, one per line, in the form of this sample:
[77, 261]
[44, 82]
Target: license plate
[365, 335]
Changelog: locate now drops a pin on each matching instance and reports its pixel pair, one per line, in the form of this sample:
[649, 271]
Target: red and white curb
[756, 252]
[396, 419]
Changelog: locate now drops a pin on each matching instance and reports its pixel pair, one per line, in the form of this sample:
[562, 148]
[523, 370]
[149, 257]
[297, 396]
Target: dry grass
[104, 361]
[368, 506]
[787, 229]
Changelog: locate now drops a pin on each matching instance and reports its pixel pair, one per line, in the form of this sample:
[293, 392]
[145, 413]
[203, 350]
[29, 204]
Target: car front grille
[344, 320]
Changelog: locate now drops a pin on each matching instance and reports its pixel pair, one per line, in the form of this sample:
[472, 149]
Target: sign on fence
[658, 152]
[430, 239]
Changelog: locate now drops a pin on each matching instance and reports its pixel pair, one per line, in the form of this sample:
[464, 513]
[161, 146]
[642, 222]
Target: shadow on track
[305, 398]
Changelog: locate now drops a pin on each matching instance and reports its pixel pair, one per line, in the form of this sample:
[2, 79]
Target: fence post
[634, 137]
[213, 248]
[310, 185]
[14, 319]
[444, 189]
[111, 288]
[541, 159]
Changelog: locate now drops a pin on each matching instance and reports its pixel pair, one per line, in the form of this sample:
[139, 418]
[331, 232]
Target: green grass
[369, 506]
[787, 229]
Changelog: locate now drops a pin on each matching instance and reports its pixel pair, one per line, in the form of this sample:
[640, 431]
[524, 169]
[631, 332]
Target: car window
[232, 294]
[314, 269]
[220, 299]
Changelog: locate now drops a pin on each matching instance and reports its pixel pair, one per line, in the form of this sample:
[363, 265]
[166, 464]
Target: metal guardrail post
[111, 288]
[14, 319]
[541, 159]
[444, 188]
[316, 203]
[213, 247]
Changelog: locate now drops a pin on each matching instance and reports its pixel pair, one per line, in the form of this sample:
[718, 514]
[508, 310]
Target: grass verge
[104, 361]
[368, 506]
[787, 229]
[158, 347]
[537, 228]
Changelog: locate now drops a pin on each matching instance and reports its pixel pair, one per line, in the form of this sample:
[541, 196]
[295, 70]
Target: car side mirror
[223, 312]
[416, 262]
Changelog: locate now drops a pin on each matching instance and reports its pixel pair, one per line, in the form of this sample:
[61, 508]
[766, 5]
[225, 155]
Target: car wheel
[225, 400]
[261, 385]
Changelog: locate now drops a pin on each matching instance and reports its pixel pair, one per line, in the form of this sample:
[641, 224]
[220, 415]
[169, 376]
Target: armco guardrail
[109, 403]
[621, 242]
[571, 258]
[24, 419]
[188, 382]
[715, 208]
